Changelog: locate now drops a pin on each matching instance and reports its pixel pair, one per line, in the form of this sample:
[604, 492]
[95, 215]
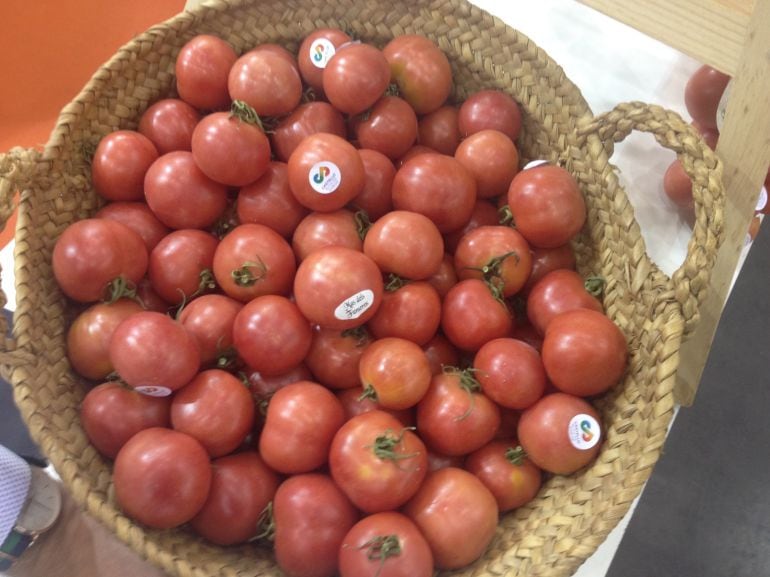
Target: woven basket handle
[691, 280]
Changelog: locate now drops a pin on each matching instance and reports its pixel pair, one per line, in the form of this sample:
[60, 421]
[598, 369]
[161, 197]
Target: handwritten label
[354, 306]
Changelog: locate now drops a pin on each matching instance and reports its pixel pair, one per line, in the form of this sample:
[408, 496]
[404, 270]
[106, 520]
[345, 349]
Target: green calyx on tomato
[266, 524]
[515, 455]
[380, 548]
[394, 283]
[360, 335]
[506, 216]
[245, 276]
[468, 382]
[385, 445]
[119, 288]
[492, 272]
[363, 223]
[245, 113]
[595, 285]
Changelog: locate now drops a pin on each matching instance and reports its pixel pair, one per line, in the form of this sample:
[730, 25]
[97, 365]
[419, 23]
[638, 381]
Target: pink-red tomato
[315, 51]
[319, 229]
[545, 260]
[215, 408]
[302, 419]
[386, 544]
[395, 371]
[561, 433]
[678, 186]
[493, 160]
[390, 127]
[153, 353]
[449, 503]
[230, 149]
[420, 70]
[91, 255]
[180, 265]
[471, 315]
[267, 81]
[209, 318]
[376, 198]
[407, 244]
[702, 94]
[325, 172]
[411, 311]
[271, 335]
[584, 352]
[253, 260]
[547, 205]
[161, 477]
[454, 417]
[355, 402]
[337, 287]
[437, 186]
[150, 299]
[138, 217]
[446, 276]
[378, 463]
[308, 118]
[181, 195]
[242, 487]
[120, 162]
[439, 130]
[263, 387]
[269, 201]
[111, 414]
[441, 353]
[510, 372]
[512, 478]
[484, 214]
[89, 335]
[334, 355]
[489, 109]
[559, 291]
[312, 516]
[169, 124]
[355, 77]
[201, 72]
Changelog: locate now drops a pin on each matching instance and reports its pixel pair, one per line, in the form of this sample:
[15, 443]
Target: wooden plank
[710, 31]
[744, 146]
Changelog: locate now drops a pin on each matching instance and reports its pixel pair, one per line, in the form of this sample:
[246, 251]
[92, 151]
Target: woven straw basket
[572, 515]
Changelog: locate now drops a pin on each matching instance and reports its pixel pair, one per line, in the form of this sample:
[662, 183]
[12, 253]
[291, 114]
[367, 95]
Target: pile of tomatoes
[310, 321]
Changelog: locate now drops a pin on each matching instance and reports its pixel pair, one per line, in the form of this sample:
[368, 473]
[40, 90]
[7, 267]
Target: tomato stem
[242, 111]
[358, 333]
[119, 288]
[245, 277]
[506, 216]
[368, 393]
[492, 273]
[380, 548]
[394, 283]
[515, 455]
[385, 445]
[363, 223]
[468, 382]
[595, 285]
[266, 524]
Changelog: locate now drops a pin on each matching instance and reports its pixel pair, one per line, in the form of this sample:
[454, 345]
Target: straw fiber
[572, 515]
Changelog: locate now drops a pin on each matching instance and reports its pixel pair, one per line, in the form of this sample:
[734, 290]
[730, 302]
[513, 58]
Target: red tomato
[560, 433]
[678, 186]
[91, 255]
[138, 217]
[150, 300]
[416, 150]
[446, 276]
[547, 205]
[325, 172]
[471, 315]
[437, 186]
[154, 354]
[584, 352]
[355, 402]
[230, 148]
[253, 260]
[120, 162]
[337, 287]
[269, 201]
[411, 311]
[300, 424]
[441, 353]
[209, 319]
[355, 77]
[386, 544]
[271, 335]
[510, 372]
[490, 109]
[450, 502]
[439, 130]
[308, 118]
[396, 372]
[315, 51]
[484, 214]
[405, 243]
[181, 195]
[702, 93]
[242, 486]
[513, 479]
[312, 516]
[389, 127]
[267, 81]
[216, 409]
[169, 124]
[559, 291]
[378, 463]
[333, 356]
[201, 71]
[454, 417]
[498, 255]
[320, 229]
[111, 414]
[181, 263]
[493, 160]
[420, 70]
[88, 338]
[161, 477]
[376, 198]
[545, 260]
[263, 387]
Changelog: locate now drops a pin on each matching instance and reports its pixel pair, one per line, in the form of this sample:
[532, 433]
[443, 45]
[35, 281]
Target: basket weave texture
[572, 515]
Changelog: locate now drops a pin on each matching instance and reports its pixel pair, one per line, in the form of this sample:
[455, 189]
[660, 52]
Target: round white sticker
[324, 177]
[354, 306]
[762, 200]
[321, 51]
[584, 432]
[153, 390]
[534, 164]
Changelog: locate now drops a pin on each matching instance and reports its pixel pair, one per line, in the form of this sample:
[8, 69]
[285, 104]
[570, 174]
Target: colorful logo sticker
[321, 51]
[354, 306]
[324, 177]
[584, 432]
